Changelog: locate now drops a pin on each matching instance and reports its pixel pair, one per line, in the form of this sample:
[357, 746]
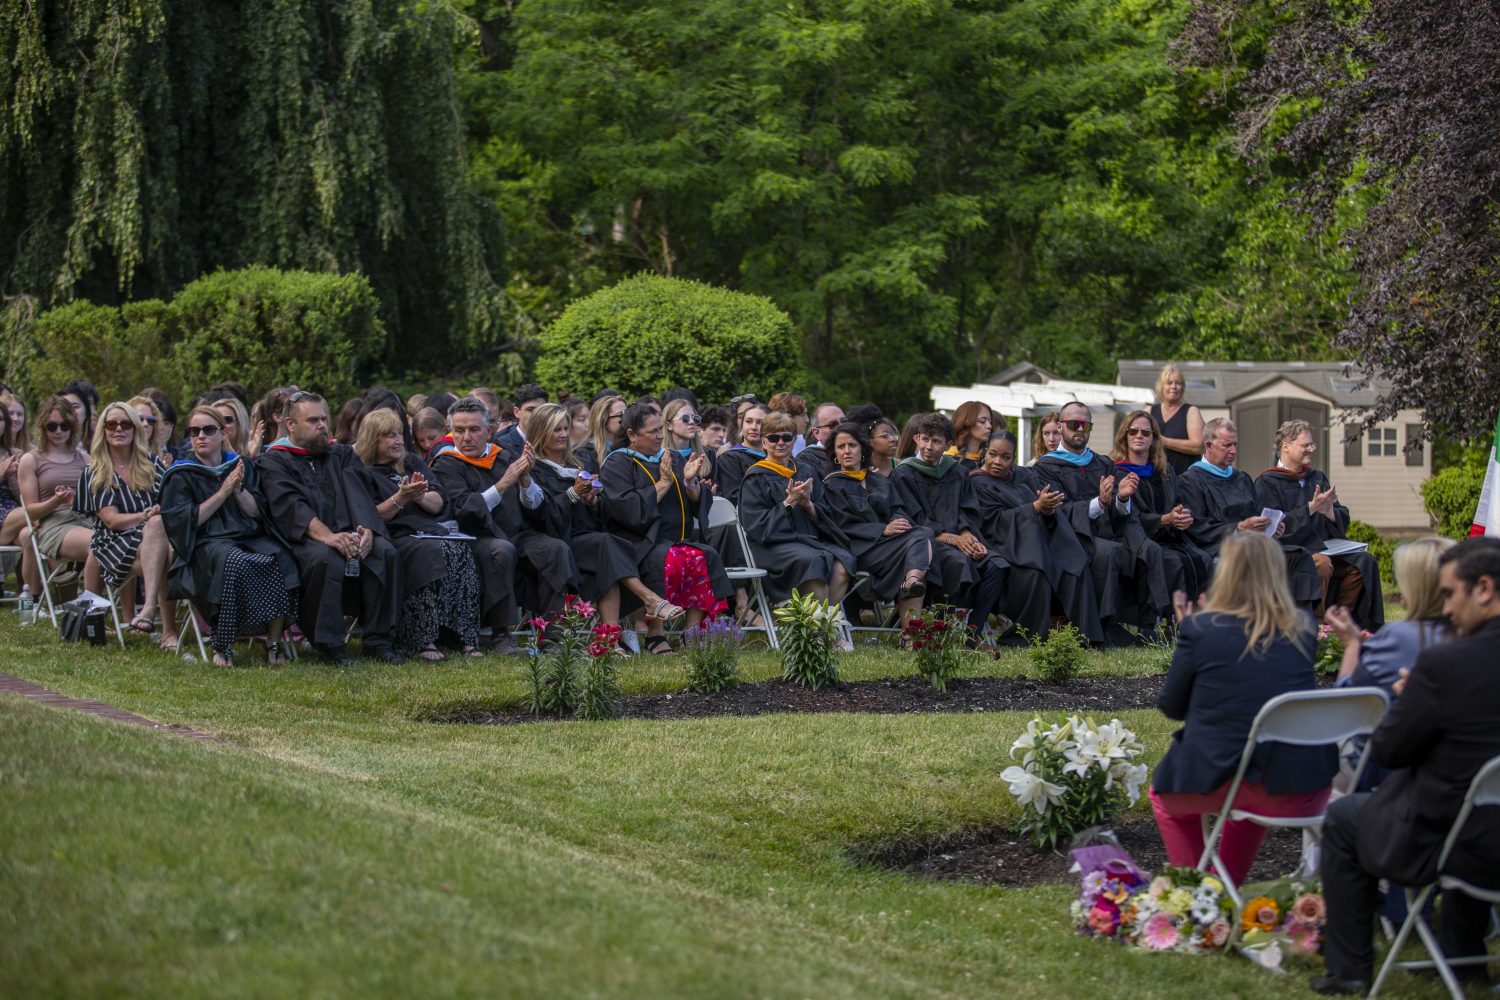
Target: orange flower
[1261, 912]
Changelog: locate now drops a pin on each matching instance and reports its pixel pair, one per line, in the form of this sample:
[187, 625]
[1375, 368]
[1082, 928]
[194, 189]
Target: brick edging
[37, 693]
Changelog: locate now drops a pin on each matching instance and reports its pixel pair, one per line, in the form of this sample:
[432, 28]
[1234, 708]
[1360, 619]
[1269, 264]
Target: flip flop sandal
[672, 612]
[134, 625]
[431, 654]
[908, 591]
[657, 645]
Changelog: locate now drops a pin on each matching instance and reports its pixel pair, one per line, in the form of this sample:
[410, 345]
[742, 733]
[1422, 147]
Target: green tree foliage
[145, 143]
[259, 326]
[648, 334]
[1452, 496]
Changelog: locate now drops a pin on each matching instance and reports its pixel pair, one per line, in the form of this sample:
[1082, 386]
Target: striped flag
[1487, 515]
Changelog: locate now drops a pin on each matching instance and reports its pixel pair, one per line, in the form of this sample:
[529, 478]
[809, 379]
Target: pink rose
[1309, 909]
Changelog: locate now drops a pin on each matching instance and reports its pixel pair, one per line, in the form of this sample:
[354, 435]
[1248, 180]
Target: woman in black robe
[798, 546]
[885, 543]
[439, 579]
[1139, 449]
[734, 461]
[1018, 513]
[658, 511]
[227, 556]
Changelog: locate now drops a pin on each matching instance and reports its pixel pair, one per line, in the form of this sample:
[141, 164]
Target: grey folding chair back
[722, 513]
[1484, 790]
[1299, 718]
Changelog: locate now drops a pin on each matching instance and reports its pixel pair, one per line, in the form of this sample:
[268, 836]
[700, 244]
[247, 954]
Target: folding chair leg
[765, 615]
[114, 612]
[1414, 904]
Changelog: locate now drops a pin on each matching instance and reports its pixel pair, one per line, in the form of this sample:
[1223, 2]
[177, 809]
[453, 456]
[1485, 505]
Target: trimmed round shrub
[649, 333]
[1452, 495]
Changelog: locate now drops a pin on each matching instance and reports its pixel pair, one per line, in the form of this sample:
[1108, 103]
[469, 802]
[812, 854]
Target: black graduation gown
[586, 458]
[331, 488]
[200, 550]
[1187, 565]
[604, 559]
[550, 571]
[1219, 504]
[1144, 592]
[1310, 531]
[1046, 543]
[789, 544]
[422, 562]
[631, 512]
[731, 470]
[861, 510]
[814, 461]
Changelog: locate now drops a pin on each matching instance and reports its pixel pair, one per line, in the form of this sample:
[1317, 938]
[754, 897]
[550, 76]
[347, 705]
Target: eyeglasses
[779, 438]
[826, 427]
[748, 397]
[1144, 432]
[149, 421]
[690, 418]
[229, 419]
[118, 425]
[53, 427]
[1078, 425]
[208, 431]
[615, 416]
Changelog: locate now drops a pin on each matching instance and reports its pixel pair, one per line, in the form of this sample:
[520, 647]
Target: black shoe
[383, 653]
[1331, 985]
[338, 655]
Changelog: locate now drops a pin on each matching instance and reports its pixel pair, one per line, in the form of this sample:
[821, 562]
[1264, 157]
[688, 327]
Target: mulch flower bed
[995, 856]
[889, 696]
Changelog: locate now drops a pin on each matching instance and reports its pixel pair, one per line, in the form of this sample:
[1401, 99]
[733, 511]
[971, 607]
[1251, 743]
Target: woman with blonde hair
[120, 488]
[1377, 660]
[17, 437]
[236, 425]
[682, 432]
[1048, 435]
[429, 428]
[48, 478]
[1180, 424]
[605, 417]
[1247, 644]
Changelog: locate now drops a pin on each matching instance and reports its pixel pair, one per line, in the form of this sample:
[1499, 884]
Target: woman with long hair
[10, 484]
[156, 427]
[744, 453]
[236, 423]
[1048, 435]
[1138, 449]
[18, 438]
[48, 477]
[429, 428]
[119, 489]
[682, 434]
[605, 417]
[1246, 644]
[973, 424]
[439, 579]
[1377, 660]
[578, 417]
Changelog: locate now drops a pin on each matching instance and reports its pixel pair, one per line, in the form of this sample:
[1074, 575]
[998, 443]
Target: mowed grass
[335, 847]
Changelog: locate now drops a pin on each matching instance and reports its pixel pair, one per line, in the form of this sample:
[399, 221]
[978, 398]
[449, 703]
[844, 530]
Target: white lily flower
[1030, 789]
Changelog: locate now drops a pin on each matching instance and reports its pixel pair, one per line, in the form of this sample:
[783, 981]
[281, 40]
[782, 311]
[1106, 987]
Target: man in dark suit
[1439, 732]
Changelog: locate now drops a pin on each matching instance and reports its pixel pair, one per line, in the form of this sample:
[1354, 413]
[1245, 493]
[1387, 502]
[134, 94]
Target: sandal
[657, 645]
[915, 588]
[431, 654]
[172, 645]
[275, 655]
[134, 625]
[225, 660]
[473, 651]
[672, 611]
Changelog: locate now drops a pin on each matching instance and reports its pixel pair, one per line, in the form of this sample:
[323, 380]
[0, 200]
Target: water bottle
[26, 606]
[351, 566]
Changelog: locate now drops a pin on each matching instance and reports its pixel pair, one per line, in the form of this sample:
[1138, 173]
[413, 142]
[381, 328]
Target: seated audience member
[651, 403]
[886, 544]
[935, 492]
[171, 444]
[237, 428]
[1314, 517]
[491, 399]
[799, 546]
[1379, 660]
[345, 426]
[48, 477]
[1247, 644]
[1100, 506]
[883, 440]
[528, 398]
[578, 422]
[1018, 513]
[440, 582]
[415, 403]
[682, 435]
[428, 428]
[119, 490]
[716, 422]
[1179, 425]
[656, 508]
[1048, 435]
[906, 443]
[19, 437]
[226, 557]
[156, 428]
[1138, 451]
[272, 424]
[794, 406]
[321, 506]
[606, 416]
[745, 453]
[12, 521]
[1223, 502]
[492, 495]
[973, 425]
[84, 398]
[740, 405]
[1439, 732]
[815, 458]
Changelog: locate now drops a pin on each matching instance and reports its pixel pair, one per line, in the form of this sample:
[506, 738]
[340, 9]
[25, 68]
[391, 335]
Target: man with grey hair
[817, 457]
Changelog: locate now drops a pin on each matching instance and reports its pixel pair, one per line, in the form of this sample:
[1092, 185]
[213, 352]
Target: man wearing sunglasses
[1128, 570]
[816, 458]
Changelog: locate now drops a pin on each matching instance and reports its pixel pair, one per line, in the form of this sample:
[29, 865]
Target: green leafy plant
[1073, 775]
[1059, 656]
[807, 629]
[599, 697]
[1452, 495]
[1382, 548]
[936, 636]
[712, 650]
[571, 668]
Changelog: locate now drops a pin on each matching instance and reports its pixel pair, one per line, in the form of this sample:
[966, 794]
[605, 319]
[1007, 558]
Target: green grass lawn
[335, 847]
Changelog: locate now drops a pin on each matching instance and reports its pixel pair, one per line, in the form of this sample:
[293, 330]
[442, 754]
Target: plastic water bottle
[26, 606]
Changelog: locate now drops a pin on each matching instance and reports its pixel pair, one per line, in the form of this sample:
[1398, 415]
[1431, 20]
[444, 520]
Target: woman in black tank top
[1182, 435]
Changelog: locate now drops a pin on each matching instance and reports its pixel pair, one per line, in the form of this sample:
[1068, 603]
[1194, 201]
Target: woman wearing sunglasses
[48, 477]
[682, 433]
[229, 560]
[791, 538]
[1139, 449]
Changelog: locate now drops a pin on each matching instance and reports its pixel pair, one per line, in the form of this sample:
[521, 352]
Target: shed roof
[1218, 383]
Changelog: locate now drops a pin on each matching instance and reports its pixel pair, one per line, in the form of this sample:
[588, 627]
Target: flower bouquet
[1180, 910]
[1281, 921]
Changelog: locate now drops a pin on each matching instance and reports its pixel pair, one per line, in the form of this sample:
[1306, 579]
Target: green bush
[648, 334]
[1383, 549]
[120, 349]
[1060, 655]
[807, 629]
[1452, 495]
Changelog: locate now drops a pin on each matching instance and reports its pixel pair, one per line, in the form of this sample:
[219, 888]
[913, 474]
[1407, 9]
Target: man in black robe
[1128, 570]
[320, 505]
[816, 459]
[491, 495]
[1223, 501]
[1314, 517]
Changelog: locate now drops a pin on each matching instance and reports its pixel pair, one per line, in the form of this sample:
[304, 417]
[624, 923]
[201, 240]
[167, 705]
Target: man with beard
[343, 552]
[1127, 566]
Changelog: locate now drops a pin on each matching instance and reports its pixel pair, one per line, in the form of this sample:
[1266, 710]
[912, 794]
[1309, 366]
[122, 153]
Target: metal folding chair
[1300, 718]
[723, 513]
[61, 575]
[1484, 790]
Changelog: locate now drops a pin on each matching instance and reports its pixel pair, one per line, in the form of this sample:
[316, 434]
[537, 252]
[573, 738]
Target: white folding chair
[1484, 790]
[1299, 718]
[60, 575]
[723, 513]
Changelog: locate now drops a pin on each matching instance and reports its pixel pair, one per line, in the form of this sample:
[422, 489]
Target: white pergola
[1021, 402]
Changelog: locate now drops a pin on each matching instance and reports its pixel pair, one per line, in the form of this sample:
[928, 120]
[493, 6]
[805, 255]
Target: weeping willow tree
[145, 142]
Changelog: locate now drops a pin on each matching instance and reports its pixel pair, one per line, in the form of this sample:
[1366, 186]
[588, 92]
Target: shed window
[1381, 443]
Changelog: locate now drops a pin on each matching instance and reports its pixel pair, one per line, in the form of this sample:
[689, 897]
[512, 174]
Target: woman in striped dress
[120, 487]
